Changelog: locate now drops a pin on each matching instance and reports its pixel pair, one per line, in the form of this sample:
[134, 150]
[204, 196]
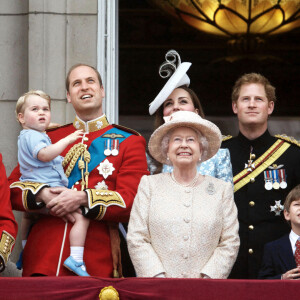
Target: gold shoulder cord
[78, 150]
[289, 139]
[226, 137]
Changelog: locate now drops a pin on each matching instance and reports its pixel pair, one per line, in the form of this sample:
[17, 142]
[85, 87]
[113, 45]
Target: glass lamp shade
[234, 18]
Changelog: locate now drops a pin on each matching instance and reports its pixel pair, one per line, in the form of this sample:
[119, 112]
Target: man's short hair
[22, 100]
[253, 78]
[292, 196]
[79, 65]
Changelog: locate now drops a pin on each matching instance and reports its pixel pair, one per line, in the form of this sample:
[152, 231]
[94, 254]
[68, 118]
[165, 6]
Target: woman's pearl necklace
[191, 184]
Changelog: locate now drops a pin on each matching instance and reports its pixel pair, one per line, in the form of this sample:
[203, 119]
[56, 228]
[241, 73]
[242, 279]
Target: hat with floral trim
[189, 119]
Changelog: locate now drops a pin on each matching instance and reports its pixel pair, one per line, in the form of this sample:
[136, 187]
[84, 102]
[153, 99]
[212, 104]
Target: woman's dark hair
[159, 113]
[159, 116]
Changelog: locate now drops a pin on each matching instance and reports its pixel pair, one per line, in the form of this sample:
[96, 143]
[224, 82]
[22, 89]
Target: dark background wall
[145, 35]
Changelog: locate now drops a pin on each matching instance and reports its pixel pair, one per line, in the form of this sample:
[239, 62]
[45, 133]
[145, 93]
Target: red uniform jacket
[8, 225]
[48, 243]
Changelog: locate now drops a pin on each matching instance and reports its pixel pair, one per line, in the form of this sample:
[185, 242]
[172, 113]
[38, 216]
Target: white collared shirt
[293, 239]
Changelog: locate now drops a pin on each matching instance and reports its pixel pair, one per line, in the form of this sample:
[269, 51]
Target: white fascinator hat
[177, 70]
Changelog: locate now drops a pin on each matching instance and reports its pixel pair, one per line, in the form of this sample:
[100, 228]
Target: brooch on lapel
[210, 189]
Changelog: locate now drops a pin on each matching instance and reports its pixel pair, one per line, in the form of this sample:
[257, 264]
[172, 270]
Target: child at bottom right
[281, 259]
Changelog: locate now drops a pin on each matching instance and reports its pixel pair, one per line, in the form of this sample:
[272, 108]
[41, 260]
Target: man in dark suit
[279, 261]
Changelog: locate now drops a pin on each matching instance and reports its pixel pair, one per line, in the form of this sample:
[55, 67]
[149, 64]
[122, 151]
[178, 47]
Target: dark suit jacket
[278, 258]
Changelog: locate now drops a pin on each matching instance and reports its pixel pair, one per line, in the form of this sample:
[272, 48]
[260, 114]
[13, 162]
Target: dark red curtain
[143, 288]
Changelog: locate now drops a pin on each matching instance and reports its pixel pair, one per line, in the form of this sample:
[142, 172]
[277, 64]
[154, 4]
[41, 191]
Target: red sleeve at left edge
[7, 219]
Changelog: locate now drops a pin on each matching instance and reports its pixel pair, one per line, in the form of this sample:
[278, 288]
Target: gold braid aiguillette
[87, 159]
[78, 150]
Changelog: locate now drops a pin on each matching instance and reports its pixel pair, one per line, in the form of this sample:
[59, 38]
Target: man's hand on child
[47, 194]
[67, 201]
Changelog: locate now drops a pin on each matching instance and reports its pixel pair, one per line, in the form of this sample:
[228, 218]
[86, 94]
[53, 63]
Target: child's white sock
[24, 243]
[77, 253]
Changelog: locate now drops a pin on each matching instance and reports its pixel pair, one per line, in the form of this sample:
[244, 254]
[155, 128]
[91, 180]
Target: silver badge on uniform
[277, 208]
[106, 168]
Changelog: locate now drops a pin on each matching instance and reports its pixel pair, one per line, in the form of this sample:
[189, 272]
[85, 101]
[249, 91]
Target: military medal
[282, 179]
[275, 179]
[250, 166]
[277, 208]
[101, 186]
[107, 151]
[268, 181]
[115, 150]
[105, 168]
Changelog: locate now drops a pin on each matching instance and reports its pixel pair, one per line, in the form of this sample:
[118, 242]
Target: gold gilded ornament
[109, 293]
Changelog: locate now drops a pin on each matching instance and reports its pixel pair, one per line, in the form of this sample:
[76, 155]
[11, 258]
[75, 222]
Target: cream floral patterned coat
[183, 231]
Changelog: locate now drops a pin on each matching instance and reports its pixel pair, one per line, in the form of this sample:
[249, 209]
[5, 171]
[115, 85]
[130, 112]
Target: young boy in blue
[40, 161]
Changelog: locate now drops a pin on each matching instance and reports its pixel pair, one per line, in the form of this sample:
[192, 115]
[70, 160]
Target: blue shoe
[76, 267]
[19, 263]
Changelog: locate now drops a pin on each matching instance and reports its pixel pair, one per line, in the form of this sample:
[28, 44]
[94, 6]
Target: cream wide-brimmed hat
[185, 119]
[178, 78]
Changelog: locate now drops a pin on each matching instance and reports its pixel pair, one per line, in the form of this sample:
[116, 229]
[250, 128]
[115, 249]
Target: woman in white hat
[175, 96]
[183, 224]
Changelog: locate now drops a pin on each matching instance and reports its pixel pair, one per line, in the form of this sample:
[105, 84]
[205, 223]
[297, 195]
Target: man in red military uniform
[8, 225]
[104, 171]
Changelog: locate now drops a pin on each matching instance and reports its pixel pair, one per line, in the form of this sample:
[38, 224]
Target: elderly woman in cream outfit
[183, 224]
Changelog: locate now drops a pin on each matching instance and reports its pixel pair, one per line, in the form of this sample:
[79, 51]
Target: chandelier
[236, 19]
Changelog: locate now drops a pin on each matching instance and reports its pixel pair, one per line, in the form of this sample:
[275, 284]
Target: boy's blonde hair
[22, 100]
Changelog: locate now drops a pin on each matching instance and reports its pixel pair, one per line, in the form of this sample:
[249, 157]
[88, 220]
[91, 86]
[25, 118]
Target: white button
[185, 256]
[186, 237]
[184, 274]
[187, 190]
[187, 220]
[187, 204]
